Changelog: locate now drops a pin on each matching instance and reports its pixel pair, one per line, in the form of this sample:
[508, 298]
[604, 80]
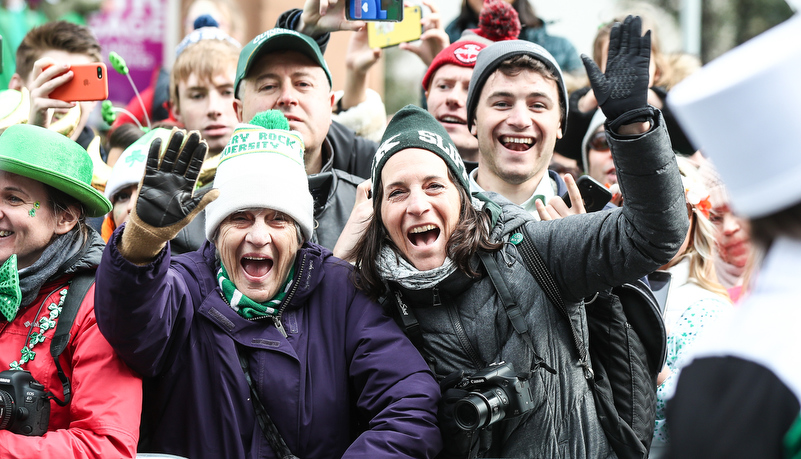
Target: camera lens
[6, 409]
[479, 410]
[99, 73]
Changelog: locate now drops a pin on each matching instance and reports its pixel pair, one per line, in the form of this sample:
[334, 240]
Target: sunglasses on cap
[598, 142]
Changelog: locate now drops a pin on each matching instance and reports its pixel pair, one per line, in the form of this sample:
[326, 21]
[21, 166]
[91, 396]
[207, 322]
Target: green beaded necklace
[46, 322]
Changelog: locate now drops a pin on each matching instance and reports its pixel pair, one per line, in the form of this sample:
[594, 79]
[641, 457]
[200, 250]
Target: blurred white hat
[742, 110]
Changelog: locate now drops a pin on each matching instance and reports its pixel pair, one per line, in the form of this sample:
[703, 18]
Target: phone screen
[375, 10]
[386, 34]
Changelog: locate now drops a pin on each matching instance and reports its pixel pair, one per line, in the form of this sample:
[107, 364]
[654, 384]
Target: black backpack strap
[78, 288]
[513, 311]
[537, 267]
[509, 304]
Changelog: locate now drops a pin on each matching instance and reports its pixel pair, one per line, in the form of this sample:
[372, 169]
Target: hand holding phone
[89, 82]
[386, 34]
[593, 193]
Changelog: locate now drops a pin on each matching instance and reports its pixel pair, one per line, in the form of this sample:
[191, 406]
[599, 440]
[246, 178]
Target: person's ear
[473, 129]
[332, 98]
[66, 220]
[175, 111]
[17, 82]
[238, 108]
[559, 131]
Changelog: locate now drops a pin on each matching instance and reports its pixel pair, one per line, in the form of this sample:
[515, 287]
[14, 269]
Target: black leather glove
[623, 88]
[167, 201]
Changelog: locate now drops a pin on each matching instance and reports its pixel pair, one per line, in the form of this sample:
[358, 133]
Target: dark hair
[470, 235]
[786, 223]
[57, 35]
[525, 12]
[124, 135]
[61, 202]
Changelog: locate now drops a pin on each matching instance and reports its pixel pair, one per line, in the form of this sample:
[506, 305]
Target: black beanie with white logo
[413, 127]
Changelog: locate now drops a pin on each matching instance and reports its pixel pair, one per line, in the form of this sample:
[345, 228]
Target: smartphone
[89, 82]
[386, 34]
[593, 193]
[374, 10]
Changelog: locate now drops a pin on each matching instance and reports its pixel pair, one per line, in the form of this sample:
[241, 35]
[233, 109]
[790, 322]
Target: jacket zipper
[277, 318]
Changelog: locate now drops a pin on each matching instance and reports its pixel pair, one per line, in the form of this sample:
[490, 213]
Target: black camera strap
[266, 423]
[78, 288]
[513, 311]
[408, 320]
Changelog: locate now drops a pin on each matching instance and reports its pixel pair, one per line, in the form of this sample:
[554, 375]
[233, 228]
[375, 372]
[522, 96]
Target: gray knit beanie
[491, 57]
[413, 127]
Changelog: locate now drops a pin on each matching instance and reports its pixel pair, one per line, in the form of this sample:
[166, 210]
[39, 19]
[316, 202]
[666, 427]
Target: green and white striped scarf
[246, 307]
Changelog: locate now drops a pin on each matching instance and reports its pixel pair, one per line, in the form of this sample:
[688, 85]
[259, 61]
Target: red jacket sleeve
[102, 419]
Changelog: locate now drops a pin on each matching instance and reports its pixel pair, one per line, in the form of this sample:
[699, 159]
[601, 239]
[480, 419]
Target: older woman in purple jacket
[257, 344]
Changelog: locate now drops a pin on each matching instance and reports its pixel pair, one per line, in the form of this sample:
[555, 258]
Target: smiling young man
[202, 87]
[446, 84]
[516, 110]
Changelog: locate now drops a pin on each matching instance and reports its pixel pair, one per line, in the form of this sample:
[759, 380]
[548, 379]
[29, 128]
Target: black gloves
[623, 88]
[165, 196]
[166, 200]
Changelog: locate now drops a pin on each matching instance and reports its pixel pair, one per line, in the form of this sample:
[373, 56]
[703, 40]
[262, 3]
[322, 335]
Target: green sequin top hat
[53, 159]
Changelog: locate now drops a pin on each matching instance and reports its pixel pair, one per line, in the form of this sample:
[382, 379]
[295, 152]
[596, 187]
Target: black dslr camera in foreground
[24, 405]
[496, 393]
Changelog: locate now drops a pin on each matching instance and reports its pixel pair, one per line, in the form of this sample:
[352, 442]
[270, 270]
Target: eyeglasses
[598, 142]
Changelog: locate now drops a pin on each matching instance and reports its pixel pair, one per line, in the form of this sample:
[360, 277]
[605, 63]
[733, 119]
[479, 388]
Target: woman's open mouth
[256, 266]
[423, 235]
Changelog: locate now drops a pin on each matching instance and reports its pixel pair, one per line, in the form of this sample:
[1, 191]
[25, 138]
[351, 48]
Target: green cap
[278, 39]
[53, 159]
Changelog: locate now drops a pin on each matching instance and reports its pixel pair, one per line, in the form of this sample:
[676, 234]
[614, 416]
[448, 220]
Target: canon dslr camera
[496, 393]
[24, 405]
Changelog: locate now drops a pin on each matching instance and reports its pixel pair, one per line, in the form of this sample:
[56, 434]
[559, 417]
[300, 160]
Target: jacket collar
[447, 290]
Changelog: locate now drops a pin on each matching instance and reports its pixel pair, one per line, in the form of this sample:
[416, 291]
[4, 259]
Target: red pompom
[498, 21]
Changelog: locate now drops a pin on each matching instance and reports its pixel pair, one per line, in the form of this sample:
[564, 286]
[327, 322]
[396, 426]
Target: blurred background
[145, 32]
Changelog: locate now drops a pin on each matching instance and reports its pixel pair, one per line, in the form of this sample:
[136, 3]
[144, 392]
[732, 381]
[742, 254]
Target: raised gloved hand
[167, 201]
[623, 87]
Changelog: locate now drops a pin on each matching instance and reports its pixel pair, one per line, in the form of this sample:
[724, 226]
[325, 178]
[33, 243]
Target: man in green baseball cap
[284, 69]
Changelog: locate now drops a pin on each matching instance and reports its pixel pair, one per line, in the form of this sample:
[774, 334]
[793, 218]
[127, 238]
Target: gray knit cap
[491, 57]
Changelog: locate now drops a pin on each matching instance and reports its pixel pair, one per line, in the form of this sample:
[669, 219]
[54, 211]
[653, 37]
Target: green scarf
[246, 307]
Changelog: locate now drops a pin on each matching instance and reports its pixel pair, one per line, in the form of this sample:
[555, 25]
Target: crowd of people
[271, 269]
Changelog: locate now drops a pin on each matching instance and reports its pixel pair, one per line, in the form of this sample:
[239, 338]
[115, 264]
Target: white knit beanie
[598, 120]
[130, 167]
[262, 167]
